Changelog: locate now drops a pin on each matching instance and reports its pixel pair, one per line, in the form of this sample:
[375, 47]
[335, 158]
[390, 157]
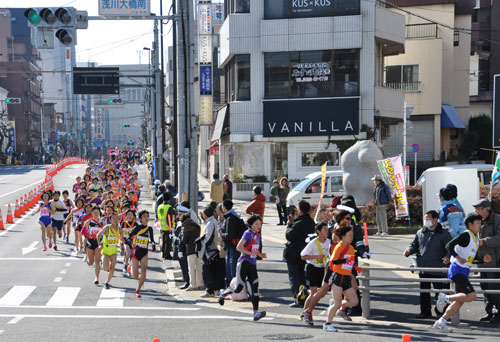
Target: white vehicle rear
[484, 172]
[309, 188]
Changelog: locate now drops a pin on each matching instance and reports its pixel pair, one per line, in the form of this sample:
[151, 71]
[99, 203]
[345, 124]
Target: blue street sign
[205, 79]
[415, 148]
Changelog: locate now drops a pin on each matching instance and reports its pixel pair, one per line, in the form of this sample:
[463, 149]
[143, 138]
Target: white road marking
[16, 295]
[63, 272]
[24, 187]
[39, 259]
[5, 177]
[57, 279]
[135, 317]
[145, 308]
[15, 224]
[64, 296]
[30, 248]
[15, 320]
[74, 253]
[111, 298]
[68, 264]
[1, 332]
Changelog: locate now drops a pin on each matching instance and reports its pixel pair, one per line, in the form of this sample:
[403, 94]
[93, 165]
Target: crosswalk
[62, 297]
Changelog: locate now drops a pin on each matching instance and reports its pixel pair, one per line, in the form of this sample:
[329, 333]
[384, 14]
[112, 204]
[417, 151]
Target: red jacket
[257, 205]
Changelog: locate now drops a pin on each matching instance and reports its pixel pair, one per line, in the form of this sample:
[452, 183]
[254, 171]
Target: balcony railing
[404, 86]
[417, 31]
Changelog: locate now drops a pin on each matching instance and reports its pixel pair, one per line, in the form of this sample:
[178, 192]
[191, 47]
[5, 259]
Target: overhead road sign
[124, 8]
[96, 81]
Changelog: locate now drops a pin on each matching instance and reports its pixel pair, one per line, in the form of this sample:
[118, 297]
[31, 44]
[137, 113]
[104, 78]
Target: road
[50, 296]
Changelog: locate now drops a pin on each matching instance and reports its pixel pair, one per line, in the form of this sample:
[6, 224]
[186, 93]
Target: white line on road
[111, 298]
[63, 272]
[145, 308]
[15, 224]
[17, 295]
[1, 332]
[30, 248]
[39, 259]
[24, 187]
[134, 317]
[15, 320]
[68, 264]
[64, 297]
[57, 279]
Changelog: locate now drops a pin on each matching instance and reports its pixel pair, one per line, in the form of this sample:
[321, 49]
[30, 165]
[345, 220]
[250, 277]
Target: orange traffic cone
[1, 221]
[51, 185]
[26, 204]
[32, 197]
[10, 219]
[17, 213]
[22, 209]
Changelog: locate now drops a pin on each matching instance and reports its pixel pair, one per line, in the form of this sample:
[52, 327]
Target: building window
[236, 6]
[402, 77]
[456, 38]
[238, 80]
[311, 74]
[310, 159]
[286, 9]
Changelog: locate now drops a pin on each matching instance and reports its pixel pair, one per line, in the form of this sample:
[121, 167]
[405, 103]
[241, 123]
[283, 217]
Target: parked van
[309, 188]
[484, 171]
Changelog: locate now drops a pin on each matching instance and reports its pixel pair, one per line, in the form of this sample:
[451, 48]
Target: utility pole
[182, 100]
[162, 121]
[173, 156]
[158, 106]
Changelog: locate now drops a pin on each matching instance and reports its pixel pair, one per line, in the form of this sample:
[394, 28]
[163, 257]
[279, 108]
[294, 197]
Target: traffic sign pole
[415, 148]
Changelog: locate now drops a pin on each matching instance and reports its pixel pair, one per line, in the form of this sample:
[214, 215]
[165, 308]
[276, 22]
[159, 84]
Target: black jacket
[230, 230]
[190, 232]
[430, 246]
[296, 236]
[358, 242]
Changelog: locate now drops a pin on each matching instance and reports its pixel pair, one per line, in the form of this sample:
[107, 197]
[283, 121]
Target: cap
[157, 182]
[377, 178]
[275, 181]
[182, 209]
[484, 203]
[346, 208]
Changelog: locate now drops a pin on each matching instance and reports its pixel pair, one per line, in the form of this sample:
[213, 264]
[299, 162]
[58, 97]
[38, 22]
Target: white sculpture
[359, 165]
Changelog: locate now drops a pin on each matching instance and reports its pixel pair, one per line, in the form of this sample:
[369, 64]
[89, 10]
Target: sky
[107, 42]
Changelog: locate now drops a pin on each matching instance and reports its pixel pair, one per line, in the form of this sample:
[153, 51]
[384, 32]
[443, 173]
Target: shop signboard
[312, 117]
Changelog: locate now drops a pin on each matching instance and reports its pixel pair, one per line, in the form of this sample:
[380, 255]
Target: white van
[309, 188]
[484, 172]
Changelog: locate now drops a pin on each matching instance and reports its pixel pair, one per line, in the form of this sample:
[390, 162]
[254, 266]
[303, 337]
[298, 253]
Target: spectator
[178, 254]
[381, 198]
[258, 204]
[283, 191]
[231, 235]
[216, 189]
[489, 243]
[296, 235]
[228, 188]
[451, 214]
[273, 198]
[159, 196]
[189, 234]
[429, 245]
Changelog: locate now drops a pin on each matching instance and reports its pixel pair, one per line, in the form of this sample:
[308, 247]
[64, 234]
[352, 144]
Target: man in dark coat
[296, 235]
[429, 245]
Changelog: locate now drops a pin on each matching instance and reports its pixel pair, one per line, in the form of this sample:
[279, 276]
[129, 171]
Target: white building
[302, 78]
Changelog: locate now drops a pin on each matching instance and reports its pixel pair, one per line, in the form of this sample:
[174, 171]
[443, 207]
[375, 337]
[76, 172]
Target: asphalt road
[50, 296]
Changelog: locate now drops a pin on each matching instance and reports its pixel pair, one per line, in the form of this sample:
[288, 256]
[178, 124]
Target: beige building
[434, 75]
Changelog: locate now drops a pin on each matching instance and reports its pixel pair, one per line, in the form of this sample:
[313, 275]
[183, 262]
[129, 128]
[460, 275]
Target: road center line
[134, 317]
[57, 280]
[15, 320]
[40, 259]
[144, 308]
[24, 187]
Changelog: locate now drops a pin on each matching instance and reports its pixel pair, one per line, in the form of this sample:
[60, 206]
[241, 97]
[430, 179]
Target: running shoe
[344, 316]
[301, 317]
[96, 282]
[129, 268]
[85, 257]
[107, 286]
[329, 327]
[221, 298]
[50, 244]
[137, 294]
[44, 248]
[124, 269]
[207, 295]
[308, 317]
[441, 302]
[67, 239]
[258, 315]
[441, 325]
[64, 237]
[59, 233]
[55, 247]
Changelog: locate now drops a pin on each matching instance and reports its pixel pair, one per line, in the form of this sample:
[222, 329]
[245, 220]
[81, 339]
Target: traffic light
[115, 101]
[69, 134]
[125, 126]
[63, 21]
[13, 100]
[65, 36]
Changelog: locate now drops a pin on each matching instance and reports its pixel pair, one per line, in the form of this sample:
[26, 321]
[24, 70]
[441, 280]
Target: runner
[45, 221]
[316, 255]
[463, 249]
[58, 209]
[127, 226]
[69, 207]
[111, 236]
[341, 263]
[246, 269]
[140, 238]
[93, 227]
[72, 220]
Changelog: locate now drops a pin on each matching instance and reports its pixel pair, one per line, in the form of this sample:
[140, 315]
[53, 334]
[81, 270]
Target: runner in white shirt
[316, 254]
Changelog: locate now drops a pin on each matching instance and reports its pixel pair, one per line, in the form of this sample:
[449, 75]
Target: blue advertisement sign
[205, 79]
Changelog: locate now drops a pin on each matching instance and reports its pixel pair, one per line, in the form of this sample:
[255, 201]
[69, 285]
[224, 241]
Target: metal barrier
[365, 287]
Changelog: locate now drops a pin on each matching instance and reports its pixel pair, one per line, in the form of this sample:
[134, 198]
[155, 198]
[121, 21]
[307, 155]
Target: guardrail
[366, 288]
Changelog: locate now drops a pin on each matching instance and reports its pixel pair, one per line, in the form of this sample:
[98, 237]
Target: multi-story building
[20, 75]
[434, 75]
[303, 80]
[485, 55]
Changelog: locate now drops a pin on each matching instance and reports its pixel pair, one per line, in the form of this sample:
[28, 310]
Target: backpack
[242, 227]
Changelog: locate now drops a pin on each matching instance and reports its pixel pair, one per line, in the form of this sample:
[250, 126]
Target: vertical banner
[393, 174]
[323, 182]
[205, 51]
[495, 176]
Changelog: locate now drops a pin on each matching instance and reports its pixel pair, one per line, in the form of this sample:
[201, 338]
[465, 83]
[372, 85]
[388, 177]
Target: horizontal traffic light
[125, 126]
[115, 101]
[53, 17]
[13, 100]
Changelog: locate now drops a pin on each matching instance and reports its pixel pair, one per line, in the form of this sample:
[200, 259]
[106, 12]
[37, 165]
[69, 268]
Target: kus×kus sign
[295, 118]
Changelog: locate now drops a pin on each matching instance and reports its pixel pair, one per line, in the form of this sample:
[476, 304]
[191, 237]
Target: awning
[450, 118]
[219, 123]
